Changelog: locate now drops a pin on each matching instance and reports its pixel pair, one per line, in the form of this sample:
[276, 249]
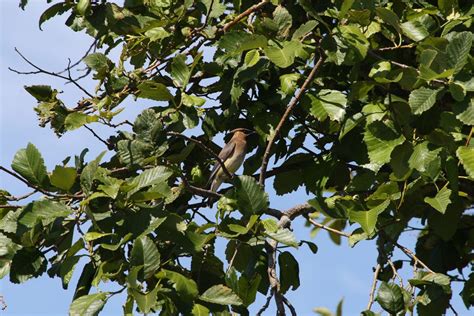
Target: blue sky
[335, 272]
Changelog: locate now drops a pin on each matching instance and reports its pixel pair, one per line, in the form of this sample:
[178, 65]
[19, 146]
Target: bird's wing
[225, 153]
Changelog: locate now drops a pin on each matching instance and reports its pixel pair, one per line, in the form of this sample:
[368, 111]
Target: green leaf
[353, 44]
[236, 42]
[368, 219]
[180, 71]
[222, 295]
[422, 99]
[415, 30]
[41, 92]
[78, 119]
[200, 310]
[284, 56]
[154, 91]
[283, 20]
[157, 33]
[466, 156]
[288, 83]
[380, 141]
[440, 279]
[83, 6]
[252, 57]
[284, 236]
[89, 173]
[90, 236]
[330, 103]
[63, 177]
[458, 50]
[29, 163]
[185, 286]
[146, 302]
[441, 201]
[345, 6]
[45, 211]
[270, 225]
[250, 195]
[304, 29]
[422, 157]
[145, 253]
[191, 100]
[389, 17]
[98, 62]
[399, 160]
[289, 272]
[390, 297]
[149, 177]
[467, 116]
[88, 305]
[67, 268]
[55, 9]
[26, 263]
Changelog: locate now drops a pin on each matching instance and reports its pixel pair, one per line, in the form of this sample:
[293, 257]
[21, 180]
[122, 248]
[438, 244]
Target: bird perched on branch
[232, 155]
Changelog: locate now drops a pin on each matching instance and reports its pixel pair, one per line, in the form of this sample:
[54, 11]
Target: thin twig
[395, 47]
[242, 15]
[40, 70]
[19, 198]
[291, 105]
[210, 151]
[69, 67]
[395, 273]
[106, 143]
[403, 66]
[206, 20]
[231, 262]
[38, 188]
[330, 229]
[469, 136]
[3, 303]
[290, 306]
[267, 303]
[374, 285]
[406, 251]
[200, 191]
[10, 206]
[304, 209]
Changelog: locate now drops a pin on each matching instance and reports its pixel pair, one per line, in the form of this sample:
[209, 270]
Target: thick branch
[291, 105]
[242, 15]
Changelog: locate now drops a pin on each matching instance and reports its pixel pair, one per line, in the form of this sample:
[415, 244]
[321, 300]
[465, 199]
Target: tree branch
[374, 285]
[106, 143]
[267, 303]
[199, 191]
[210, 151]
[406, 251]
[40, 70]
[38, 188]
[242, 15]
[291, 105]
[329, 229]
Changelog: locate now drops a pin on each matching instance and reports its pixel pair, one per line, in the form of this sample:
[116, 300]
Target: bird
[232, 155]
